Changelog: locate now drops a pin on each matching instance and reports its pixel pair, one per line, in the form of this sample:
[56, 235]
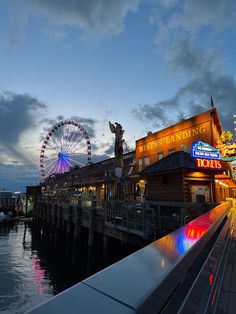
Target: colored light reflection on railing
[211, 277]
[177, 243]
[190, 235]
[39, 274]
[195, 232]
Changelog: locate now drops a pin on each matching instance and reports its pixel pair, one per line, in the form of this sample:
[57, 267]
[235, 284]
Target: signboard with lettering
[209, 164]
[204, 150]
[226, 146]
[173, 139]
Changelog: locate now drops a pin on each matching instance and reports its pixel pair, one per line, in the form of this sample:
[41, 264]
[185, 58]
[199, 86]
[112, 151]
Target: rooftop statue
[118, 131]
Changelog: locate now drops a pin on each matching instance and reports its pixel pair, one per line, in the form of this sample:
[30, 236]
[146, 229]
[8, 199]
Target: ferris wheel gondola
[66, 146]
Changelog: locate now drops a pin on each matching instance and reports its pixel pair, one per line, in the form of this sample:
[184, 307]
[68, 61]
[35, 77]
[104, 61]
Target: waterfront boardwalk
[191, 270]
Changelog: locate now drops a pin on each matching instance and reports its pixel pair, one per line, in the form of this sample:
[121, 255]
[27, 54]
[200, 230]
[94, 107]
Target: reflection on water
[21, 286]
[39, 272]
[32, 270]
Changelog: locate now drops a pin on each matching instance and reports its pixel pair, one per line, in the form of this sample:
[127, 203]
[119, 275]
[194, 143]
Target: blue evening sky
[143, 63]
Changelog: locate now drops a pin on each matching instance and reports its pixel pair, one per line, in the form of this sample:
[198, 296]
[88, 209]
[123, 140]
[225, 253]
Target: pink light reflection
[39, 274]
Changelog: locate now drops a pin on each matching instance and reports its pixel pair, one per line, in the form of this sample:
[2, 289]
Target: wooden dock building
[176, 187]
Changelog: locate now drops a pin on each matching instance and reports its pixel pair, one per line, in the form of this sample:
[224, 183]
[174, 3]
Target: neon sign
[227, 147]
[209, 164]
[204, 150]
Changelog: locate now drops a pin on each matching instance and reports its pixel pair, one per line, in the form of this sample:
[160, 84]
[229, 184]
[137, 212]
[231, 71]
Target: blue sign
[203, 150]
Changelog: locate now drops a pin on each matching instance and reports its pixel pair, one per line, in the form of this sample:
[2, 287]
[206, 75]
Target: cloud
[110, 150]
[197, 14]
[98, 19]
[189, 33]
[19, 113]
[175, 19]
[192, 99]
[97, 158]
[191, 59]
[89, 125]
[17, 177]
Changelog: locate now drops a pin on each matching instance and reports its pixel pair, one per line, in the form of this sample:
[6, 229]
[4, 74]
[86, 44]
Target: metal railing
[156, 279]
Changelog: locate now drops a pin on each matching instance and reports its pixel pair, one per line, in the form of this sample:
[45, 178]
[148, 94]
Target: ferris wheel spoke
[65, 165]
[49, 159]
[80, 149]
[77, 140]
[53, 138]
[57, 136]
[78, 154]
[76, 162]
[53, 163]
[67, 160]
[74, 133]
[64, 135]
[72, 138]
[56, 143]
[51, 170]
[53, 148]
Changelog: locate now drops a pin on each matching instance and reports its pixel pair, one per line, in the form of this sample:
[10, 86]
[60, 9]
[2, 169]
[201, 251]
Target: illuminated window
[146, 161]
[140, 164]
[160, 156]
[185, 148]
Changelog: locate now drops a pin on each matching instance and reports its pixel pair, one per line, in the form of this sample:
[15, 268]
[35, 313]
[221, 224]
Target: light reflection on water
[32, 270]
[24, 283]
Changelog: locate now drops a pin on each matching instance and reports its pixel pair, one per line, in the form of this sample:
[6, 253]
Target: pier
[134, 223]
[186, 270]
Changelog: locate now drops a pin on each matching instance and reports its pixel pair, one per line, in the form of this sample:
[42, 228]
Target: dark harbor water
[31, 271]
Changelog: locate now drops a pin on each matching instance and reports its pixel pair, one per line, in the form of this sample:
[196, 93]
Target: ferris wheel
[66, 145]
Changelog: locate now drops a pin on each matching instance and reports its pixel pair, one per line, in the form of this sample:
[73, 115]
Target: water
[24, 283]
[31, 271]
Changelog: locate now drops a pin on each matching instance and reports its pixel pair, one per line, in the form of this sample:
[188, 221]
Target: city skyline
[145, 64]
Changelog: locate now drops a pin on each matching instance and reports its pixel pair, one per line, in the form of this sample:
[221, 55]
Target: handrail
[144, 281]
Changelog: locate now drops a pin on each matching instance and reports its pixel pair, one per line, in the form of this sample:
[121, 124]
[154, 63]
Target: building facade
[166, 173]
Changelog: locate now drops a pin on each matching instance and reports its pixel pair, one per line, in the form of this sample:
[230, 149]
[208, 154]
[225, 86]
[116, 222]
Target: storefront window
[140, 164]
[146, 161]
[160, 156]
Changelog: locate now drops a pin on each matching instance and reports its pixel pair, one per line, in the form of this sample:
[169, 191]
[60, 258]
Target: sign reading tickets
[209, 164]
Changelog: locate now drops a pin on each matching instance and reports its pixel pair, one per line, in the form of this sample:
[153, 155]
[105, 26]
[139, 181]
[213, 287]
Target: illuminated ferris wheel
[66, 145]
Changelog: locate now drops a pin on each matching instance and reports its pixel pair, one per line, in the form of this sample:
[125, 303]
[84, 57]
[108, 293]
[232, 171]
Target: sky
[146, 64]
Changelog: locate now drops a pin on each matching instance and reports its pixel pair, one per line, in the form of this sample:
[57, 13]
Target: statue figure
[117, 129]
[119, 174]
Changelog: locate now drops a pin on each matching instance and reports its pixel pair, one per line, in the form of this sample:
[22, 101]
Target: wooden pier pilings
[135, 224]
